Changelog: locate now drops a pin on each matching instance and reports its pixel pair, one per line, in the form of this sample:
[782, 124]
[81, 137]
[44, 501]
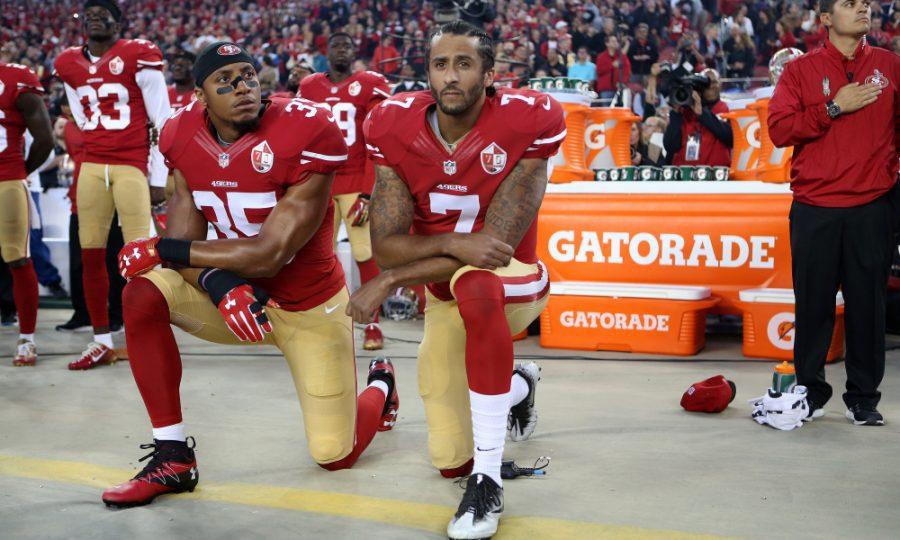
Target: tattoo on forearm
[516, 202]
[392, 208]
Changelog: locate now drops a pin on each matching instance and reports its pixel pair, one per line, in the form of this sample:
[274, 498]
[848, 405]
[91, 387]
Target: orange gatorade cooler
[607, 135]
[774, 163]
[630, 317]
[769, 324]
[745, 153]
[568, 164]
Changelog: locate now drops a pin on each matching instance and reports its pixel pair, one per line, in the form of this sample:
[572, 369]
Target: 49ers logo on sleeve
[116, 66]
[228, 50]
[493, 159]
[262, 157]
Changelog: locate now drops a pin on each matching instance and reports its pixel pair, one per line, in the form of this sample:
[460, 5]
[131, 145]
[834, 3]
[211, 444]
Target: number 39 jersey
[453, 191]
[236, 187]
[349, 101]
[15, 80]
[115, 127]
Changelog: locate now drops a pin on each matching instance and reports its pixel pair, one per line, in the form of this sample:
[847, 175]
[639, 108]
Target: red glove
[138, 256]
[359, 212]
[244, 314]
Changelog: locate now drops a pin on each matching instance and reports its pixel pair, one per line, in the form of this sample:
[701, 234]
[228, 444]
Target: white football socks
[105, 339]
[28, 337]
[175, 432]
[489, 414]
[518, 389]
[381, 385]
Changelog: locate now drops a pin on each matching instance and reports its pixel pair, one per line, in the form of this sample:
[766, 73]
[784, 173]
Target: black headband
[217, 55]
[108, 5]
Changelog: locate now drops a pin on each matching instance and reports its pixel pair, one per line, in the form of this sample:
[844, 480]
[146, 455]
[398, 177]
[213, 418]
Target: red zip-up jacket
[851, 160]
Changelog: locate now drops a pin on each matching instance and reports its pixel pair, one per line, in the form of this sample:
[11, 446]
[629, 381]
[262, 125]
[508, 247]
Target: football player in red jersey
[260, 173]
[115, 88]
[21, 108]
[465, 165]
[300, 71]
[181, 93]
[350, 96]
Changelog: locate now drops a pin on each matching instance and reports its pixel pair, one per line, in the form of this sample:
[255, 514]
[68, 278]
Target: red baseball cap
[712, 395]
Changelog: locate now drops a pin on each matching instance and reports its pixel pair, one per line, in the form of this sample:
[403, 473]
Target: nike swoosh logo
[546, 105]
[328, 310]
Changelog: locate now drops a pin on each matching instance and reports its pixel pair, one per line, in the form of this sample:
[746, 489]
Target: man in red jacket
[838, 106]
[613, 68]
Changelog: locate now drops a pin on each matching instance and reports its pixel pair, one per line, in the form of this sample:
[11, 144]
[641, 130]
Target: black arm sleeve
[672, 136]
[721, 129]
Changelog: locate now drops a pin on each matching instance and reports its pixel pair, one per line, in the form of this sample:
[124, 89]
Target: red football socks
[25, 296]
[96, 286]
[153, 354]
[369, 407]
[489, 346]
[368, 270]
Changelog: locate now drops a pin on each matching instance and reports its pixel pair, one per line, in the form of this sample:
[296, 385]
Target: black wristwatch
[832, 109]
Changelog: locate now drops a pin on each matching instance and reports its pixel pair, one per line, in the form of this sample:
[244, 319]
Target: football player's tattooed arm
[293, 221]
[38, 123]
[515, 204]
[391, 216]
[185, 221]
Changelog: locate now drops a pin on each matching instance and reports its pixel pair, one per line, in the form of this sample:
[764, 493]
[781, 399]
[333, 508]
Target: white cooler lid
[777, 296]
[629, 290]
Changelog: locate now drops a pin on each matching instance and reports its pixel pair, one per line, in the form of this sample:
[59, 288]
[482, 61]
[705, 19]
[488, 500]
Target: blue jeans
[47, 274]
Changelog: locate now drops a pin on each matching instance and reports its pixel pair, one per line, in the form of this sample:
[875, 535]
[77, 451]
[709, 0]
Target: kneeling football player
[465, 165]
[260, 173]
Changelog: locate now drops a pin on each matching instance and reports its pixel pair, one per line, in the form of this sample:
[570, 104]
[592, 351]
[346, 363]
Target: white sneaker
[26, 354]
[815, 413]
[523, 416]
[479, 512]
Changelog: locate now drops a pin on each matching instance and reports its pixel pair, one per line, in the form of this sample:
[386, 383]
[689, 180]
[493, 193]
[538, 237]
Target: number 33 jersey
[236, 187]
[452, 192]
[349, 102]
[115, 118]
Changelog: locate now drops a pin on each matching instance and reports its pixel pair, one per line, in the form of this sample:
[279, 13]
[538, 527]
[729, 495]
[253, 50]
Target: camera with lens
[677, 84]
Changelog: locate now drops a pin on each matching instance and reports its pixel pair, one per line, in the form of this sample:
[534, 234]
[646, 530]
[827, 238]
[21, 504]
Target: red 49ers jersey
[349, 101]
[182, 100]
[237, 186]
[453, 191]
[15, 80]
[115, 128]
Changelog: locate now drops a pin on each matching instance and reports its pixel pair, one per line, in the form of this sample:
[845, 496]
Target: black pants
[849, 248]
[114, 243]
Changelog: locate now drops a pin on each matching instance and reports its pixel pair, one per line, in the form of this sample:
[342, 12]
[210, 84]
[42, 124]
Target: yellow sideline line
[426, 517]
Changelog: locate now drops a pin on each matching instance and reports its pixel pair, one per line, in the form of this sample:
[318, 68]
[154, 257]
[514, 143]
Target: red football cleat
[382, 369]
[96, 354]
[26, 354]
[173, 469]
[373, 341]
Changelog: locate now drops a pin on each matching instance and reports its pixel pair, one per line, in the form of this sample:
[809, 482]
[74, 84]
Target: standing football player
[260, 173]
[466, 166]
[350, 96]
[21, 108]
[115, 88]
[181, 93]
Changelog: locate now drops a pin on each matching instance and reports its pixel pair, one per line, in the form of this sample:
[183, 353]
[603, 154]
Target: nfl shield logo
[450, 167]
[262, 157]
[116, 66]
[493, 159]
[224, 160]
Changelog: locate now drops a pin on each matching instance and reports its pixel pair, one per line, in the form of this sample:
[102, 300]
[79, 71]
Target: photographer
[695, 135]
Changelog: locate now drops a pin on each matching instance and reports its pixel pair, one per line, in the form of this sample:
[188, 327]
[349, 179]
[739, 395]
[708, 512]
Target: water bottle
[784, 378]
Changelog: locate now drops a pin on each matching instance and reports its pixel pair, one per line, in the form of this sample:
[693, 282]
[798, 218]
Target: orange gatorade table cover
[727, 236]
